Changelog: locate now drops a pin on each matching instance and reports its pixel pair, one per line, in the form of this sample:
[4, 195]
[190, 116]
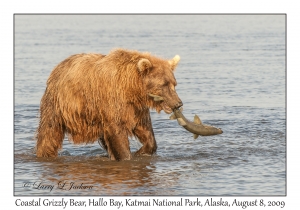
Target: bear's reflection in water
[107, 177]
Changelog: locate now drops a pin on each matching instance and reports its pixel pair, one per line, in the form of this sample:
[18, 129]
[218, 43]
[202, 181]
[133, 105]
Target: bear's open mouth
[166, 108]
[163, 104]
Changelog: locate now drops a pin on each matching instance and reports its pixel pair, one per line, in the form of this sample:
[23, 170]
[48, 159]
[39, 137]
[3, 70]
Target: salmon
[196, 127]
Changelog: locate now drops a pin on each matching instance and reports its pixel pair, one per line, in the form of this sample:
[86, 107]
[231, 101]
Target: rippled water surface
[231, 74]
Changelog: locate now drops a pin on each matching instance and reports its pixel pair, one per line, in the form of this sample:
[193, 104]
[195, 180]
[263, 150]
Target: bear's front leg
[144, 132]
[116, 143]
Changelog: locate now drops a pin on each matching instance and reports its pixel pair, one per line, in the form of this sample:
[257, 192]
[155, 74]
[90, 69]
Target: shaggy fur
[95, 97]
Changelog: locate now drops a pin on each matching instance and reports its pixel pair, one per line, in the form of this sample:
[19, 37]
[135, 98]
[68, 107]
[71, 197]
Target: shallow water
[231, 74]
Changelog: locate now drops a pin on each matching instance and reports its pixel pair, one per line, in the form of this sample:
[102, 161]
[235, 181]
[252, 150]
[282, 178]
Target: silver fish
[196, 127]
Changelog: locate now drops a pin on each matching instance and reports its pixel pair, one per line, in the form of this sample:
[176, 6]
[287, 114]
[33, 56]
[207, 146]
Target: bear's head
[159, 82]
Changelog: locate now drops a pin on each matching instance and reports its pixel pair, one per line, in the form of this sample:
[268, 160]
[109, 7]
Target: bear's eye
[165, 84]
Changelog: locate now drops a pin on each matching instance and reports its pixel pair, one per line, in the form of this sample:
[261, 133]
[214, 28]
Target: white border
[8, 8]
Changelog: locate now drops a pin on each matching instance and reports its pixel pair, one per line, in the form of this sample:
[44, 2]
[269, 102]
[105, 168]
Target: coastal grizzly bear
[107, 98]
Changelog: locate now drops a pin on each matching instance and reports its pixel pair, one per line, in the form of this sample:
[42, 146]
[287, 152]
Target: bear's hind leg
[49, 140]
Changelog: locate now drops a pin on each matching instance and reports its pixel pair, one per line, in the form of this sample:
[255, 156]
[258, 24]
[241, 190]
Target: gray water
[231, 74]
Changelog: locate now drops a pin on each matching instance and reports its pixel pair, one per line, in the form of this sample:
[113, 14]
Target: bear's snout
[178, 105]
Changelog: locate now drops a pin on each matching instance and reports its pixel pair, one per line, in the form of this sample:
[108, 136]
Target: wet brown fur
[95, 97]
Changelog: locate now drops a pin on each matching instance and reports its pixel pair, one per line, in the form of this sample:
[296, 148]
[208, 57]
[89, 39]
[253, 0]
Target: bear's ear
[174, 62]
[144, 65]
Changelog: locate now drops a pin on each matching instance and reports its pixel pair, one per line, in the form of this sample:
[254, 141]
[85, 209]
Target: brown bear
[107, 98]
